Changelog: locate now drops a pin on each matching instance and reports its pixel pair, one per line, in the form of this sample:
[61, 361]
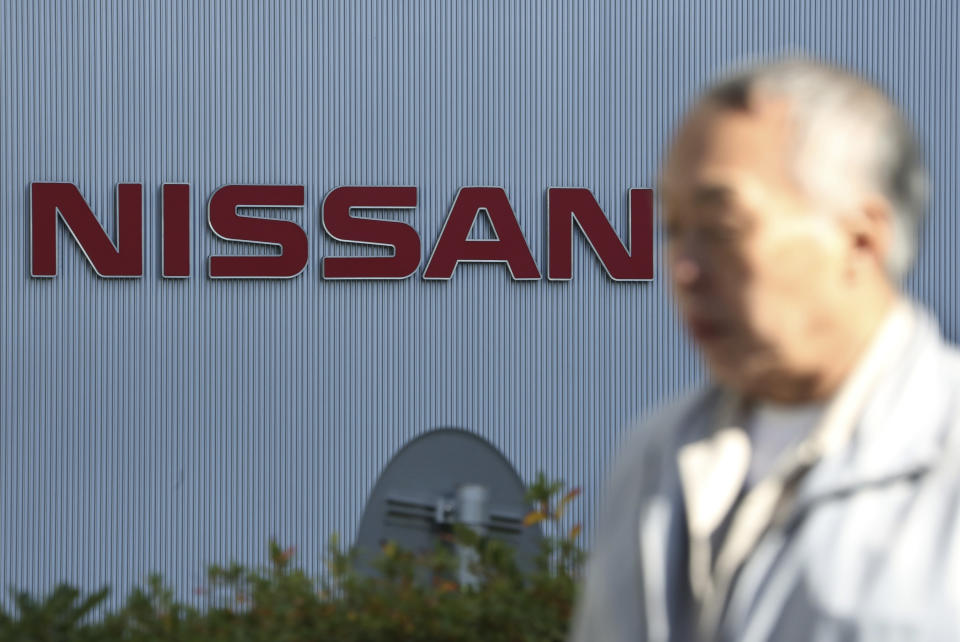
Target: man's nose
[686, 271]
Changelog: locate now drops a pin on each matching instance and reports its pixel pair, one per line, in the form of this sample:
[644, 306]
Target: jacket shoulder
[950, 360]
[608, 602]
[655, 438]
[948, 373]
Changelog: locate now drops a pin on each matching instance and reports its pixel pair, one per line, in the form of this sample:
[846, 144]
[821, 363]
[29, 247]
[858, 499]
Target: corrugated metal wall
[158, 424]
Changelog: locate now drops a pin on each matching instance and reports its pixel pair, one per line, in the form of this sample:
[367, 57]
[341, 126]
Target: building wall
[162, 425]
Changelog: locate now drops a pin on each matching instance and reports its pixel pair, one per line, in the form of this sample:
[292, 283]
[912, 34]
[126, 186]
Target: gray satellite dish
[440, 478]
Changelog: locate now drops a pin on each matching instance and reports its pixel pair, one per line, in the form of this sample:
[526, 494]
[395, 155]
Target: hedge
[279, 602]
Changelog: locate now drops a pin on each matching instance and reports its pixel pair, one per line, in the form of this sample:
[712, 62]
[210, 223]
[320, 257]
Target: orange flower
[534, 517]
[446, 586]
[566, 499]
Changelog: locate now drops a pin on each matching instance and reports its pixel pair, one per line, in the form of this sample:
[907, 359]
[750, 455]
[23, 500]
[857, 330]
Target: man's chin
[722, 353]
[739, 369]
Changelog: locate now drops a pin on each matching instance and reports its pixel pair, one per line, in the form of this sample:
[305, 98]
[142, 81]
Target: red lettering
[227, 224]
[509, 247]
[176, 230]
[50, 200]
[623, 261]
[341, 226]
[568, 205]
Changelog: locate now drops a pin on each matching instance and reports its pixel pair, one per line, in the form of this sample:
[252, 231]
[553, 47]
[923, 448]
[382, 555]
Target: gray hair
[842, 116]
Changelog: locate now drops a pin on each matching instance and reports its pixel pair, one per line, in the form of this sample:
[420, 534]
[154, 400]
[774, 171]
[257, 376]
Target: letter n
[48, 201]
[566, 206]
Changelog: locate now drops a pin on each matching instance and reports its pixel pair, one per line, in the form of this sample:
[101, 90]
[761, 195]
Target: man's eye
[672, 230]
[720, 233]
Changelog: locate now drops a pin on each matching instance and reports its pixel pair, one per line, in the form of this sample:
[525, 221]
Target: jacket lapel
[662, 529]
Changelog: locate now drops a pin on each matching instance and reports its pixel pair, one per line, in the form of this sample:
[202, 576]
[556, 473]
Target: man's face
[759, 272]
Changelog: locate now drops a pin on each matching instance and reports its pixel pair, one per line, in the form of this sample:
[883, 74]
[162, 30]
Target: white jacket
[866, 547]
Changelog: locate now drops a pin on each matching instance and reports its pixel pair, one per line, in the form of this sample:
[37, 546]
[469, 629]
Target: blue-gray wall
[152, 424]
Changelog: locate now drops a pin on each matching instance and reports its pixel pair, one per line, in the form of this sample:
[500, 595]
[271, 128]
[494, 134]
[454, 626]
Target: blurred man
[812, 491]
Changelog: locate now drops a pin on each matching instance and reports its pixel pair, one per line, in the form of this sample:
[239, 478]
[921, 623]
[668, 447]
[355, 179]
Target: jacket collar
[900, 429]
[898, 434]
[855, 443]
[883, 423]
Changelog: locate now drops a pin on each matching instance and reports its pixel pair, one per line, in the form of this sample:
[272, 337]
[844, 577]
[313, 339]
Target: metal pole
[471, 512]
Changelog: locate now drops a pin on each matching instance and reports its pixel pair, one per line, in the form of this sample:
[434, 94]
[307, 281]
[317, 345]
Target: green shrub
[281, 603]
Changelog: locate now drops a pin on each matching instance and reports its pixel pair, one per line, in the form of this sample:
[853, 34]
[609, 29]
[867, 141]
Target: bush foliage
[279, 602]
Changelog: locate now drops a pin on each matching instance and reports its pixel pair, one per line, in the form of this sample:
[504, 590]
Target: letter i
[176, 230]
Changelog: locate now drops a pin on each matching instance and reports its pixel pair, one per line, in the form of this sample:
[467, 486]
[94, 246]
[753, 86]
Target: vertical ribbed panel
[165, 424]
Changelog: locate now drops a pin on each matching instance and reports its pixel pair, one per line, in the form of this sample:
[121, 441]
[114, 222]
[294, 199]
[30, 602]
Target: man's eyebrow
[712, 194]
[703, 194]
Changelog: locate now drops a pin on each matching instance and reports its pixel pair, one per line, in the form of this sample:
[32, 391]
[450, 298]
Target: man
[812, 491]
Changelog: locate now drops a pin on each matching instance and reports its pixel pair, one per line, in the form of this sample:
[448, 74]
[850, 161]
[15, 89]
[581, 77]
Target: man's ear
[870, 230]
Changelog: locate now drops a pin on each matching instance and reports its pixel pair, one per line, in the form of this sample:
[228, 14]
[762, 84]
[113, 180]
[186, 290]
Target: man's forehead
[719, 152]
